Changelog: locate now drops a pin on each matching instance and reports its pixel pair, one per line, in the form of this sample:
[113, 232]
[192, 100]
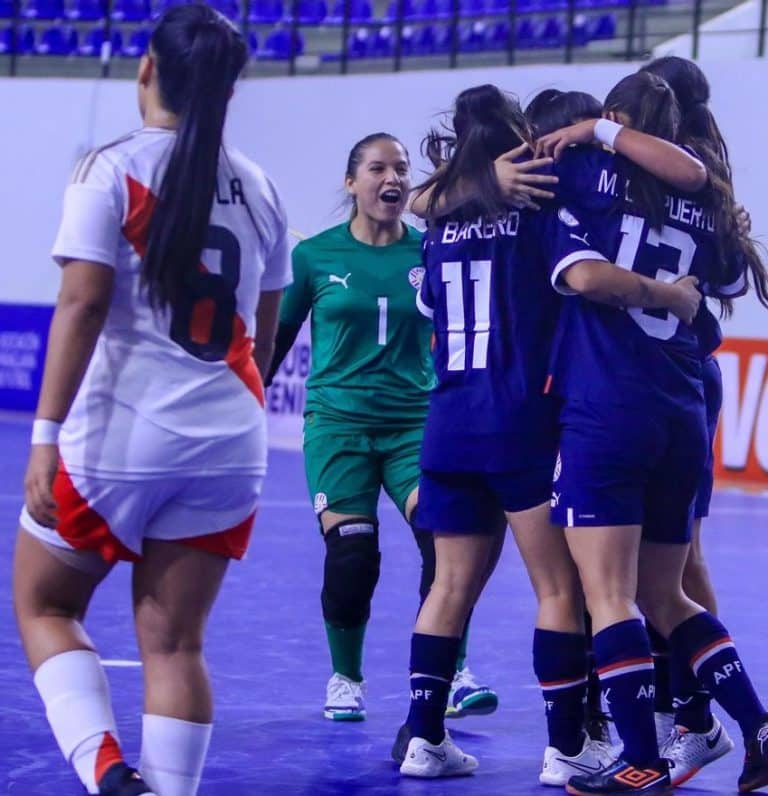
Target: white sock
[172, 754]
[75, 692]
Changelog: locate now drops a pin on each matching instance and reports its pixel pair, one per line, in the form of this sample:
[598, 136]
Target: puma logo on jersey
[340, 280]
[582, 239]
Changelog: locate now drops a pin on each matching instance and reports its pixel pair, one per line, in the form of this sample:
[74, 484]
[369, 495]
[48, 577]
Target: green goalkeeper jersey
[371, 362]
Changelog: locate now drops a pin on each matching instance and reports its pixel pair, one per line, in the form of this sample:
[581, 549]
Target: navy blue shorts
[472, 502]
[713, 400]
[627, 466]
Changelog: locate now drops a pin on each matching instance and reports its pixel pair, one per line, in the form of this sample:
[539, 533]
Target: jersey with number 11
[494, 315]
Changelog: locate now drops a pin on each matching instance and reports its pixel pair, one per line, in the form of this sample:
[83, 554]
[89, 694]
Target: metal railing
[638, 26]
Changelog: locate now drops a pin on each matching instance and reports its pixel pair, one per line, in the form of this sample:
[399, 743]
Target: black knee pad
[426, 543]
[352, 564]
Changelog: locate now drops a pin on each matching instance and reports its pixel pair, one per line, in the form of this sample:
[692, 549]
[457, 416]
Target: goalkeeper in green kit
[367, 397]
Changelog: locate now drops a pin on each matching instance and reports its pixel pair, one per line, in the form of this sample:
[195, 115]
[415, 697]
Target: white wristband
[606, 132]
[45, 432]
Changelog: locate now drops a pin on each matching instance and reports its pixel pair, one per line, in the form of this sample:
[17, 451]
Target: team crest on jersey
[567, 217]
[558, 468]
[321, 502]
[416, 276]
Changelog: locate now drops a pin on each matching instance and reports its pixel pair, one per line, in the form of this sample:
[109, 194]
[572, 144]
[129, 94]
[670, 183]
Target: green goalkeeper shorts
[347, 468]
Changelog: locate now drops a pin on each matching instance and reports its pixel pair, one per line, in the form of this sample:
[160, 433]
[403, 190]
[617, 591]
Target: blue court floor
[269, 663]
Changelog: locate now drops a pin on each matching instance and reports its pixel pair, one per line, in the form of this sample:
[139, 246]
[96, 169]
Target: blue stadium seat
[43, 9]
[137, 43]
[359, 43]
[231, 9]
[85, 10]
[472, 39]
[94, 41]
[159, 7]
[130, 10]
[253, 42]
[265, 11]
[497, 7]
[525, 35]
[551, 33]
[604, 27]
[57, 41]
[498, 38]
[472, 8]
[407, 40]
[6, 11]
[408, 8]
[580, 32]
[280, 45]
[311, 12]
[435, 9]
[359, 11]
[6, 41]
[383, 45]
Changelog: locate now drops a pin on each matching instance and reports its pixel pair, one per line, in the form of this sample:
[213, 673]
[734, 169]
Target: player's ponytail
[486, 123]
[650, 105]
[199, 55]
[699, 130]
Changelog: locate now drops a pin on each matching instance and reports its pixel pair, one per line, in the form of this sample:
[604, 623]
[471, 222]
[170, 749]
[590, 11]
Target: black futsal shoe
[754, 775]
[400, 746]
[122, 780]
[621, 777]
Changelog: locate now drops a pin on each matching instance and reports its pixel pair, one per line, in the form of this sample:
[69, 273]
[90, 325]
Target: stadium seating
[359, 11]
[280, 45]
[130, 10]
[265, 11]
[137, 43]
[85, 10]
[94, 39]
[42, 9]
[57, 41]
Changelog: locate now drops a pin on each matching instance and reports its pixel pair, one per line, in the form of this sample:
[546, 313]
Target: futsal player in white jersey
[149, 443]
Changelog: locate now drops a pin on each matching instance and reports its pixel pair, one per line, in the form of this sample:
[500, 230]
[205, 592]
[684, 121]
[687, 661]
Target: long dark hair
[486, 123]
[700, 131]
[650, 104]
[356, 154]
[198, 55]
[552, 109]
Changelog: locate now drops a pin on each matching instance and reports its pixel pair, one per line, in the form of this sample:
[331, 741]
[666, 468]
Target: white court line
[117, 663]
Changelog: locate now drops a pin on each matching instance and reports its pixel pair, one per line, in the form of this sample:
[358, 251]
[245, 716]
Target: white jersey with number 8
[188, 371]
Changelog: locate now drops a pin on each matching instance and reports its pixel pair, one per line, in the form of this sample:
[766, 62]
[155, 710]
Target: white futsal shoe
[423, 759]
[559, 768]
[344, 699]
[665, 723]
[688, 752]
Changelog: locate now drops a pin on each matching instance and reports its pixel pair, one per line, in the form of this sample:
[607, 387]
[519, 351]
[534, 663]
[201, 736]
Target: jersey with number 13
[370, 346]
[631, 356]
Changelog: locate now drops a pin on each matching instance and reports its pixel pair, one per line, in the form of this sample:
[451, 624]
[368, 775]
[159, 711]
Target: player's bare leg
[174, 588]
[52, 589]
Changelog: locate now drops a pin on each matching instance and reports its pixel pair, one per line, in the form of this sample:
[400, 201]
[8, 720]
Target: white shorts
[213, 513]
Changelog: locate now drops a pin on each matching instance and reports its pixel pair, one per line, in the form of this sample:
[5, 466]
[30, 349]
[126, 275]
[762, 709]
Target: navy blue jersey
[487, 290]
[628, 356]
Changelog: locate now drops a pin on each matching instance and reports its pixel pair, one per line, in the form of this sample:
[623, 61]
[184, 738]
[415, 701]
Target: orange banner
[741, 445]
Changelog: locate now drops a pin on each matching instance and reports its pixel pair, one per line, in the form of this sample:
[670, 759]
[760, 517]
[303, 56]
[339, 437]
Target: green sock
[462, 658]
[346, 645]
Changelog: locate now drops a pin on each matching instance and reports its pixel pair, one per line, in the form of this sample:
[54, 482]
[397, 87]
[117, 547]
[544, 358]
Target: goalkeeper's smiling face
[382, 181]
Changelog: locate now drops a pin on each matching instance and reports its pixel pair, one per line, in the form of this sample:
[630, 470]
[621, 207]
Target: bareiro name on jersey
[481, 228]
